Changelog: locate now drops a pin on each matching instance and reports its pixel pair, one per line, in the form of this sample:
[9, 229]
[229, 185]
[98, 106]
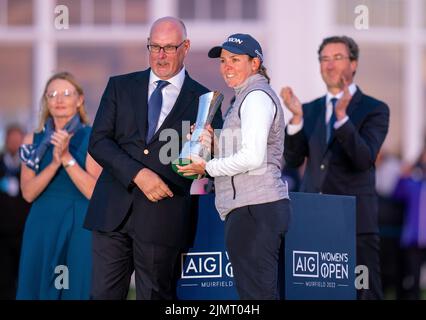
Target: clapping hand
[293, 104]
[342, 104]
[60, 139]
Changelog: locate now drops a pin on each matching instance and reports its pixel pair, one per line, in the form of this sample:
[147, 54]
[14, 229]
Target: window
[74, 10]
[186, 9]
[250, 9]
[102, 12]
[218, 9]
[19, 12]
[106, 12]
[382, 13]
[15, 84]
[136, 11]
[92, 65]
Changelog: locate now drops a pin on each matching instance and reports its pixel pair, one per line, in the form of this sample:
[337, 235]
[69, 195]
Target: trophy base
[183, 162]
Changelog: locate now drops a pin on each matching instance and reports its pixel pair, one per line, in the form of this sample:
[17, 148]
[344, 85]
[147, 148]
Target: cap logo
[259, 54]
[236, 40]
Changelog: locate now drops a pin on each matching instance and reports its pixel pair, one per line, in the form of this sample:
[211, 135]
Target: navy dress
[56, 258]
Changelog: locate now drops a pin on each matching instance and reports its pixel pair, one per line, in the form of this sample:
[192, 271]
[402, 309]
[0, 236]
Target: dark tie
[154, 108]
[330, 126]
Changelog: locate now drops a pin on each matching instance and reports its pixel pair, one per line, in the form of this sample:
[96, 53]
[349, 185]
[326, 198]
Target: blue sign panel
[319, 252]
[320, 248]
[206, 273]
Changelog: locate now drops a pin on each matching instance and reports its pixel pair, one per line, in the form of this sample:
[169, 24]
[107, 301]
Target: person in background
[250, 195]
[57, 177]
[339, 135]
[13, 212]
[388, 169]
[411, 190]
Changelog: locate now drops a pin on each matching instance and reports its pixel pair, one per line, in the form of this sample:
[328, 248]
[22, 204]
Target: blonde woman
[58, 177]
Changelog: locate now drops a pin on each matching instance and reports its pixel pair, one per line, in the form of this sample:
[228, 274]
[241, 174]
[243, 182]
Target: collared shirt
[170, 92]
[295, 128]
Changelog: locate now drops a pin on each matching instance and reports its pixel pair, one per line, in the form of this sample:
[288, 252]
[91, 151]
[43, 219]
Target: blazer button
[322, 167]
[146, 151]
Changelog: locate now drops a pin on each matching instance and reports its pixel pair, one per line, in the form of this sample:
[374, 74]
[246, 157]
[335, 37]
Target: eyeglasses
[337, 57]
[155, 48]
[66, 94]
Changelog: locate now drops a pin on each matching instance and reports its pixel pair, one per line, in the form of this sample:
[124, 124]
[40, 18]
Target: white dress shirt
[257, 114]
[295, 128]
[170, 93]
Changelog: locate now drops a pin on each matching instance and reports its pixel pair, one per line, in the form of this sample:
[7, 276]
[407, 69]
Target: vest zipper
[233, 186]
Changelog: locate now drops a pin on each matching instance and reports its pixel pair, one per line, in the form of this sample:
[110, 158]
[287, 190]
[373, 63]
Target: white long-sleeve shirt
[257, 114]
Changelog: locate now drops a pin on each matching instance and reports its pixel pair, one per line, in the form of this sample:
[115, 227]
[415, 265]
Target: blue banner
[320, 248]
[319, 252]
[206, 273]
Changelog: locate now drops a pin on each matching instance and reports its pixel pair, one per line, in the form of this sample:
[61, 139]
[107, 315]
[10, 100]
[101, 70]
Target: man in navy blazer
[140, 209]
[340, 148]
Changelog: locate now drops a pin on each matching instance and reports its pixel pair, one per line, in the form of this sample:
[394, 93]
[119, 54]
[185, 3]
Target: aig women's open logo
[331, 270]
[204, 265]
[328, 265]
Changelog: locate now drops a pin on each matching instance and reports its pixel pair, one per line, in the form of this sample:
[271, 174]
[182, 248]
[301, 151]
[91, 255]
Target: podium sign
[320, 248]
[206, 273]
[319, 252]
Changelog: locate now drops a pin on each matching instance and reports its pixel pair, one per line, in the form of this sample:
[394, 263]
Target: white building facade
[106, 37]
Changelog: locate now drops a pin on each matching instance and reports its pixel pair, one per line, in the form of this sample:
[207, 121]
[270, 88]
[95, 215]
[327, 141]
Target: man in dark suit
[340, 147]
[140, 209]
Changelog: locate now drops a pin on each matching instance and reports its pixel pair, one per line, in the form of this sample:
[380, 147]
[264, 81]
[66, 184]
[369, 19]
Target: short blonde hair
[44, 112]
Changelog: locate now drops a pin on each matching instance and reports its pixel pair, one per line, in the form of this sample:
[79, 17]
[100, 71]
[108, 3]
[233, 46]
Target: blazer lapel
[186, 96]
[140, 102]
[354, 102]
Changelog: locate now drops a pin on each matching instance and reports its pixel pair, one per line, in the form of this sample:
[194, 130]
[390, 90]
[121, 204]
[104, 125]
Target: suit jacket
[118, 144]
[346, 165]
[13, 209]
